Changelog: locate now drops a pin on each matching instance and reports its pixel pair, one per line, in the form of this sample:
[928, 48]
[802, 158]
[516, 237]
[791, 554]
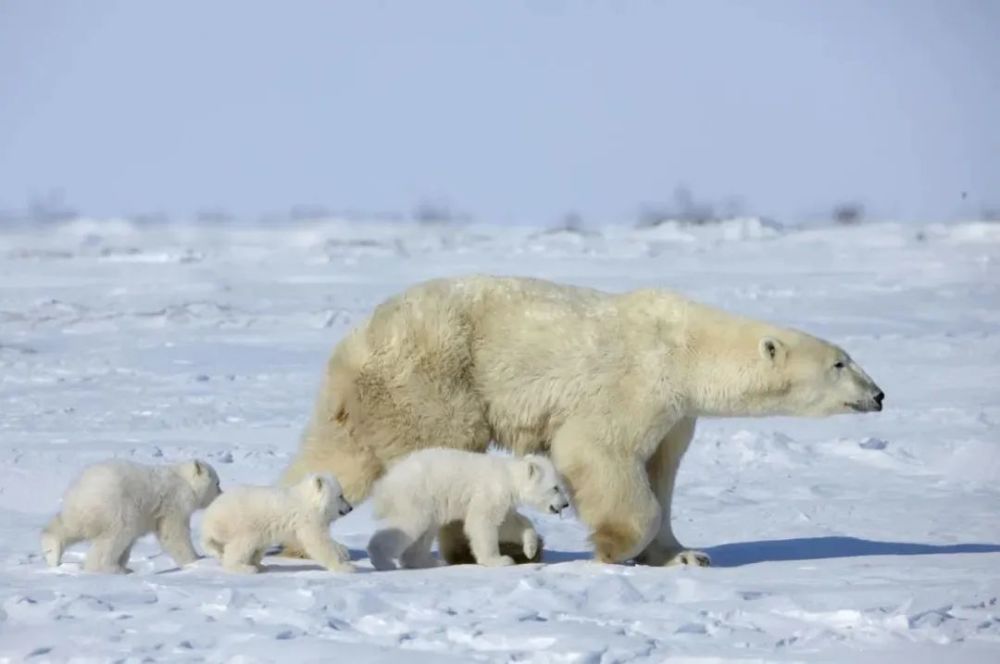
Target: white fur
[431, 487]
[609, 385]
[518, 528]
[246, 520]
[114, 503]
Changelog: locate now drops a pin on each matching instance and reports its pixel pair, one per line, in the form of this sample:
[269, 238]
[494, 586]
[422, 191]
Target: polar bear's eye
[839, 365]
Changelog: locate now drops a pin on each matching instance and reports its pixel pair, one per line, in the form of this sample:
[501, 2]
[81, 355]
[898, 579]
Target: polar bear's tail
[54, 541]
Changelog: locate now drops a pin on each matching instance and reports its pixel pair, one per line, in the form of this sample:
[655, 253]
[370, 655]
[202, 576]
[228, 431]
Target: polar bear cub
[432, 487]
[114, 503]
[246, 520]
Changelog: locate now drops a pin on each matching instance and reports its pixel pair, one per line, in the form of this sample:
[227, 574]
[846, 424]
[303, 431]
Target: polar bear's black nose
[878, 398]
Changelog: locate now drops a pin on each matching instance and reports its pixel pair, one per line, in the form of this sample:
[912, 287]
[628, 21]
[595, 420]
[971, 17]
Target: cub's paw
[342, 552]
[530, 544]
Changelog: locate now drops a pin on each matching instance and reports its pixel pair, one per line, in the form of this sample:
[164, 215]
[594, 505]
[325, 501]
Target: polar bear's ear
[318, 483]
[199, 468]
[772, 349]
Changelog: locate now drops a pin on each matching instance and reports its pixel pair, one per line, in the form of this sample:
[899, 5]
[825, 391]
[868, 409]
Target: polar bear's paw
[689, 557]
[659, 555]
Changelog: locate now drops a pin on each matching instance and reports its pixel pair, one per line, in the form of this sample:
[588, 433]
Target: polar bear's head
[538, 484]
[776, 371]
[813, 377]
[323, 493]
[203, 479]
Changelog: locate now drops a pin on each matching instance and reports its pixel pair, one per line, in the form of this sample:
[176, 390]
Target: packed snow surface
[852, 538]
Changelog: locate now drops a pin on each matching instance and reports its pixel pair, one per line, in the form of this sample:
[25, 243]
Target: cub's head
[802, 375]
[539, 485]
[203, 479]
[323, 492]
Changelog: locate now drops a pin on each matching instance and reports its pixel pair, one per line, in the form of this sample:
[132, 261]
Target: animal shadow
[738, 554]
[553, 556]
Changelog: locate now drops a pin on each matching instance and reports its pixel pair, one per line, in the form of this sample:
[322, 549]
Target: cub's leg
[238, 556]
[174, 535]
[518, 528]
[482, 526]
[455, 550]
[56, 538]
[315, 539]
[106, 552]
[418, 555]
[389, 543]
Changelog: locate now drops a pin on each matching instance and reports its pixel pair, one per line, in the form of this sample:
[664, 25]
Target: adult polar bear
[609, 385]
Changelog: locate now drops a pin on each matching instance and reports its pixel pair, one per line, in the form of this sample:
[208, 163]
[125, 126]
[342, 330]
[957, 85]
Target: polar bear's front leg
[482, 526]
[610, 491]
[662, 469]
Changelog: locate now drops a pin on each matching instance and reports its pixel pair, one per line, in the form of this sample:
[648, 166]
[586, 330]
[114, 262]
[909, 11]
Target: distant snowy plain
[847, 539]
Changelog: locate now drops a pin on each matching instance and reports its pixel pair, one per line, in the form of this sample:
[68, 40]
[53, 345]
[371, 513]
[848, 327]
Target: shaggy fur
[609, 385]
[433, 487]
[242, 524]
[116, 502]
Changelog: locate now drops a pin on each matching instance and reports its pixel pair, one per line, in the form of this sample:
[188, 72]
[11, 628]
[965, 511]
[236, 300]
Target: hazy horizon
[505, 111]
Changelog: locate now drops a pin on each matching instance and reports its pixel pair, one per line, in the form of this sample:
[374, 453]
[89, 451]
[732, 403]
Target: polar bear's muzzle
[872, 404]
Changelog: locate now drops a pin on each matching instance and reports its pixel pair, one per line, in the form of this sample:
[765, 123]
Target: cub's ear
[534, 468]
[318, 483]
[772, 349]
[199, 468]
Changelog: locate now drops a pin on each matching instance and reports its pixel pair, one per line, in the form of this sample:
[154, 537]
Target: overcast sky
[512, 111]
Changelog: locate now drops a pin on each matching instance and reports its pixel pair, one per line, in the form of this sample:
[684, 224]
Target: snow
[852, 538]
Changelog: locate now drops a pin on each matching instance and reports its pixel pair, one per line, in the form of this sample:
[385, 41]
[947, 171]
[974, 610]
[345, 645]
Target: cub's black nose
[878, 397]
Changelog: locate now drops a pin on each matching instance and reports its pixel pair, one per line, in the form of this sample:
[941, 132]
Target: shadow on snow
[817, 548]
[738, 554]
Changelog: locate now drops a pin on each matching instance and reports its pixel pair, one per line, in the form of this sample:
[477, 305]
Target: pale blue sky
[509, 110]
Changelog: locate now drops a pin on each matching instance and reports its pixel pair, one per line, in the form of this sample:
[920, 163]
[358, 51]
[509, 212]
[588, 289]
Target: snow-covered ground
[854, 538]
